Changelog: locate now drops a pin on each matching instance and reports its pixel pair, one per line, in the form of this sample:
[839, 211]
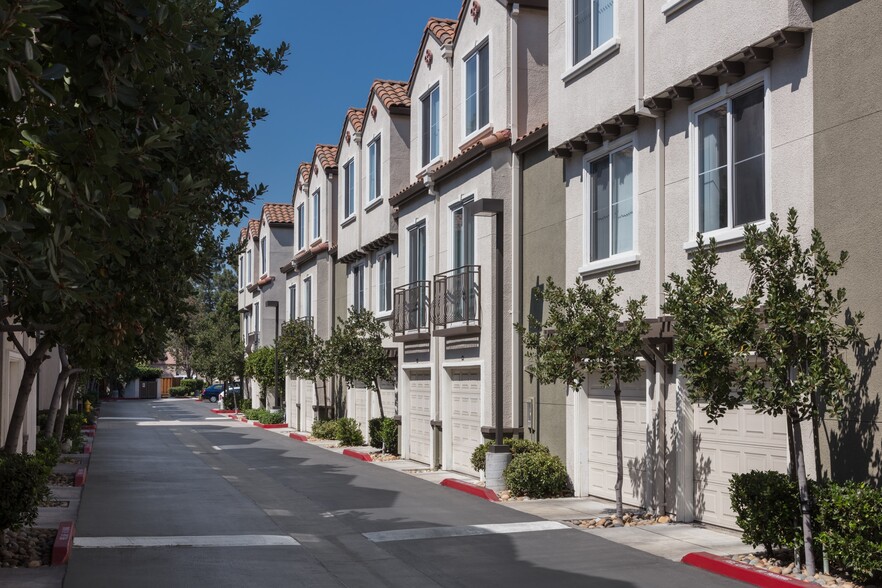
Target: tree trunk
[619, 469]
[65, 404]
[20, 410]
[55, 404]
[804, 500]
[379, 397]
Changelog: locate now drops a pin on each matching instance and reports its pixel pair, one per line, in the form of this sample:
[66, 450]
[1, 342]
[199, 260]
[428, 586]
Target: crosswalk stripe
[186, 541]
[468, 530]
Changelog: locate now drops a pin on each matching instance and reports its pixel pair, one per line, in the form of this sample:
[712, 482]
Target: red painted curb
[223, 411]
[198, 399]
[88, 427]
[273, 426]
[723, 566]
[80, 477]
[298, 437]
[470, 488]
[87, 448]
[357, 455]
[88, 432]
[63, 543]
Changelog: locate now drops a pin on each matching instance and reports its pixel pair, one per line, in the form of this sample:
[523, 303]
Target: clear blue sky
[338, 47]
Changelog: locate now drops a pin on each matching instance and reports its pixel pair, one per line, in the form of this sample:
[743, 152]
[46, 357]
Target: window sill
[622, 260]
[728, 236]
[384, 315]
[348, 221]
[427, 166]
[373, 204]
[598, 54]
[315, 242]
[672, 6]
[476, 135]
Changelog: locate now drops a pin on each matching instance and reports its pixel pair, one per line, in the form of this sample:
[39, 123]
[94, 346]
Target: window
[358, 286]
[263, 256]
[316, 214]
[307, 300]
[463, 235]
[384, 284]
[592, 26]
[611, 186]
[241, 271]
[477, 90]
[250, 255]
[257, 317]
[292, 302]
[731, 162]
[349, 188]
[374, 180]
[301, 227]
[417, 258]
[247, 324]
[431, 131]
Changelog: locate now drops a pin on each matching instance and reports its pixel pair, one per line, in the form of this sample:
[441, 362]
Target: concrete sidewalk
[671, 541]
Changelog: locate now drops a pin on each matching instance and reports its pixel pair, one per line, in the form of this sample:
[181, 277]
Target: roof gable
[443, 30]
[278, 213]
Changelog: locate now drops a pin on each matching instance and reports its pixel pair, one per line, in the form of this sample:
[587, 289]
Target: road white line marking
[443, 532]
[216, 448]
[185, 541]
[230, 477]
[217, 419]
[125, 418]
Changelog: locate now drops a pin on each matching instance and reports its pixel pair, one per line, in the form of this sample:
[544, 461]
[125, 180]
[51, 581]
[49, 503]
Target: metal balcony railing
[456, 307]
[410, 311]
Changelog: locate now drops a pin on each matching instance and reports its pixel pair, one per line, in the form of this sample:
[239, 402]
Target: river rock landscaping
[29, 547]
[630, 519]
[786, 567]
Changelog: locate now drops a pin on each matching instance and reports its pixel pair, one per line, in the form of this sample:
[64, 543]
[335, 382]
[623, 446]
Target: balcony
[251, 342]
[410, 311]
[456, 302]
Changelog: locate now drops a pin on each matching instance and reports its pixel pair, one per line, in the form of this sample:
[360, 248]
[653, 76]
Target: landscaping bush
[383, 434]
[252, 414]
[517, 446]
[324, 429]
[48, 450]
[25, 483]
[767, 507]
[178, 392]
[73, 430]
[271, 418]
[192, 386]
[349, 433]
[849, 523]
[536, 474]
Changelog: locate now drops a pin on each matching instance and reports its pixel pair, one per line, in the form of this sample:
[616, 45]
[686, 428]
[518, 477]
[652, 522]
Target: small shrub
[349, 433]
[767, 506]
[537, 475]
[517, 446]
[73, 430]
[383, 434]
[271, 418]
[849, 520]
[252, 414]
[178, 392]
[25, 483]
[48, 451]
[324, 429]
[192, 386]
[230, 403]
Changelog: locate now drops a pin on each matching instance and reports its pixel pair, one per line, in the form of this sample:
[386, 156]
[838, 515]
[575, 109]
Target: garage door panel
[419, 416]
[465, 392]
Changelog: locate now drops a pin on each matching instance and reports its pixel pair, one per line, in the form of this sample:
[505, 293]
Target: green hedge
[178, 392]
[349, 433]
[383, 434]
[25, 483]
[252, 414]
[48, 450]
[271, 418]
[324, 429]
[479, 455]
[537, 474]
[766, 504]
[192, 386]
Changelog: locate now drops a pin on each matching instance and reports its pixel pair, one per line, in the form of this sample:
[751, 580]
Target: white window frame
[359, 288]
[384, 266]
[307, 298]
[425, 101]
[250, 255]
[459, 204]
[242, 272]
[626, 258]
[257, 319]
[349, 187]
[292, 302]
[301, 226]
[572, 67]
[416, 226]
[316, 214]
[263, 256]
[375, 167]
[474, 53]
[726, 93]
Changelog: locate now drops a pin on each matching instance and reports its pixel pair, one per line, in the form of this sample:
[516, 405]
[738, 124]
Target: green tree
[112, 177]
[588, 332]
[303, 353]
[779, 347]
[260, 365]
[356, 350]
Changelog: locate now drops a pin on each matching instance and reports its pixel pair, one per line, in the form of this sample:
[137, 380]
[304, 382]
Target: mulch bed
[630, 519]
[783, 565]
[69, 460]
[380, 456]
[52, 503]
[29, 547]
[56, 479]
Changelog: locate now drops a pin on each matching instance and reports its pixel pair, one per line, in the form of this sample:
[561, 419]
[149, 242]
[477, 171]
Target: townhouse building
[309, 274]
[261, 301]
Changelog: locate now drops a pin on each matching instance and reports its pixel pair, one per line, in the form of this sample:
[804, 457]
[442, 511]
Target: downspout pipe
[515, 314]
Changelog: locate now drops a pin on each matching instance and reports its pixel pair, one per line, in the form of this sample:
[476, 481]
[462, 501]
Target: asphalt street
[178, 496]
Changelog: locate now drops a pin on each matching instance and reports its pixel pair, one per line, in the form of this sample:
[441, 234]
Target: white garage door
[358, 408]
[741, 441]
[465, 389]
[601, 470]
[418, 417]
[307, 400]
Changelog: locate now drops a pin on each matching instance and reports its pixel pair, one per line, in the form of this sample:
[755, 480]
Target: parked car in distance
[212, 393]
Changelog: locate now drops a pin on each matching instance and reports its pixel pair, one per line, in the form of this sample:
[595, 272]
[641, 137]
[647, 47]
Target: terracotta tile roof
[243, 232]
[303, 171]
[530, 138]
[253, 228]
[532, 132]
[391, 93]
[278, 213]
[356, 117]
[442, 28]
[327, 155]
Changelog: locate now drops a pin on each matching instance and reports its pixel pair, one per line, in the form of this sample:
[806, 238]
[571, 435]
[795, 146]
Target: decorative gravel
[380, 456]
[56, 479]
[630, 519]
[29, 547]
[69, 460]
[786, 567]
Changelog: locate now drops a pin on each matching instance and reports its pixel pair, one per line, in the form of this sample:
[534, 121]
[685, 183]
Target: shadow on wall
[854, 441]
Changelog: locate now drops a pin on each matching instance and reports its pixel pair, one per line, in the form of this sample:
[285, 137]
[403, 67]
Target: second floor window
[592, 26]
[292, 302]
[250, 255]
[301, 227]
[316, 214]
[307, 298]
[257, 317]
[431, 126]
[349, 189]
[374, 184]
[241, 271]
[477, 90]
[358, 286]
[611, 229]
[263, 256]
[384, 290]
